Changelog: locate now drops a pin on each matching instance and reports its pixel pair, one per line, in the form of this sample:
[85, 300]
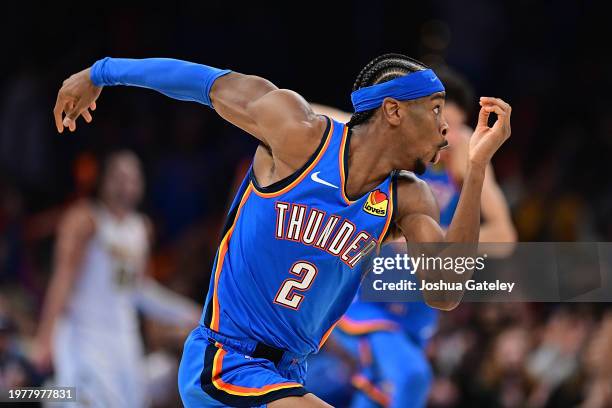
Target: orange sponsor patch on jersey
[376, 204]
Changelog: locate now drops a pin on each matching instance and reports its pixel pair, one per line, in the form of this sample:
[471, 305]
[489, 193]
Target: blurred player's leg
[400, 369]
[361, 400]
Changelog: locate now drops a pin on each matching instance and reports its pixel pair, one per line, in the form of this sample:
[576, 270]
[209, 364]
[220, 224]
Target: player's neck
[369, 161]
[117, 211]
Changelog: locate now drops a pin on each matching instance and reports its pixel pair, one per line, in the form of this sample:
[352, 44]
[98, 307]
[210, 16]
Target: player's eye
[437, 109]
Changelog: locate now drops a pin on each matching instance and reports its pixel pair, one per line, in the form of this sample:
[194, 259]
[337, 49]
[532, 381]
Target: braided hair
[379, 70]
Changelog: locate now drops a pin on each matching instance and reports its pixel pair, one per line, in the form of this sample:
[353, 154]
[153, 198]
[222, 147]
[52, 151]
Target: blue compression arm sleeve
[175, 78]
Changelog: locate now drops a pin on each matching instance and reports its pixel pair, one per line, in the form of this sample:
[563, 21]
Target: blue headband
[407, 87]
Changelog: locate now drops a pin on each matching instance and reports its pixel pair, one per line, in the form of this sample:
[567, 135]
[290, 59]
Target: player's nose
[444, 129]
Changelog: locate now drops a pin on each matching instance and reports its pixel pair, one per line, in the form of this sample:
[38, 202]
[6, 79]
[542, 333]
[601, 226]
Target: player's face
[456, 119]
[425, 130]
[455, 116]
[123, 183]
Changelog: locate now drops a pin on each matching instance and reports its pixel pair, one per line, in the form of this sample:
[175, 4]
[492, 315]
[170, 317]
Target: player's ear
[391, 111]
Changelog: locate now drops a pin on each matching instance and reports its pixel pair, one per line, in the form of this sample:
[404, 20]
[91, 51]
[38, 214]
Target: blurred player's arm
[281, 119]
[159, 303]
[497, 225]
[75, 231]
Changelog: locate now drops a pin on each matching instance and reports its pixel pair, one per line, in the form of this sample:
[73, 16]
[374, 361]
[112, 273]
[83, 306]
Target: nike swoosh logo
[315, 177]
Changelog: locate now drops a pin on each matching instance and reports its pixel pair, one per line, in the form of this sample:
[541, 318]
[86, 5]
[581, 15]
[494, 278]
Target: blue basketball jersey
[288, 265]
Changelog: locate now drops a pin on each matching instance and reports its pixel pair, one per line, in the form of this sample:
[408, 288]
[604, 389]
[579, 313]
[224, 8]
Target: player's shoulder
[79, 217]
[148, 225]
[408, 182]
[414, 196]
[297, 114]
[291, 129]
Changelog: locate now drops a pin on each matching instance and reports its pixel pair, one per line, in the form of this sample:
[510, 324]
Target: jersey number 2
[286, 295]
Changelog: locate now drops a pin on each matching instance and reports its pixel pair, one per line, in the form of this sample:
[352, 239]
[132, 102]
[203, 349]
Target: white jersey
[98, 347]
[114, 262]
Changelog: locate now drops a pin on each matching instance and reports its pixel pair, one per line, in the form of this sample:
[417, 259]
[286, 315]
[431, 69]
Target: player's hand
[41, 356]
[75, 98]
[485, 140]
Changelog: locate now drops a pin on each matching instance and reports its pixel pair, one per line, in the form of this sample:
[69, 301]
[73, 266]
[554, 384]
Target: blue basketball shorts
[218, 371]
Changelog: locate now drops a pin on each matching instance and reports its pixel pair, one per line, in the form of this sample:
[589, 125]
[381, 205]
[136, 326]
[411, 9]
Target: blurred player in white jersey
[89, 325]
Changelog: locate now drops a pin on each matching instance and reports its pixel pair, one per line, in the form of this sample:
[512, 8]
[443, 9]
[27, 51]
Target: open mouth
[435, 158]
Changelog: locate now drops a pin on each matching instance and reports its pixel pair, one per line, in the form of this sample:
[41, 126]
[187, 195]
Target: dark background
[549, 59]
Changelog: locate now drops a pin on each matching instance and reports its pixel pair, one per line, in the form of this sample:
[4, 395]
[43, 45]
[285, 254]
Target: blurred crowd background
[550, 60]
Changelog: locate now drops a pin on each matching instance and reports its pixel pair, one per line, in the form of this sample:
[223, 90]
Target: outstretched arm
[252, 103]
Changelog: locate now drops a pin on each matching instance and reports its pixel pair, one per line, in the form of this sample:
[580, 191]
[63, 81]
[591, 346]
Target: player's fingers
[93, 106]
[75, 110]
[69, 123]
[501, 114]
[57, 114]
[66, 122]
[70, 118]
[63, 104]
[502, 128]
[87, 116]
[503, 118]
[483, 117]
[69, 109]
[496, 101]
[495, 108]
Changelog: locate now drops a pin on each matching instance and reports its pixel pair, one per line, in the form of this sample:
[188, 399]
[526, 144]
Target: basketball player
[89, 320]
[319, 195]
[385, 336]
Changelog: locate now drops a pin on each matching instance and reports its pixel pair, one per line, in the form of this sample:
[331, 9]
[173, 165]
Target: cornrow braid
[382, 69]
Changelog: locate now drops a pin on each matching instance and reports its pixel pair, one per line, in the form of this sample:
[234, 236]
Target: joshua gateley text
[469, 285]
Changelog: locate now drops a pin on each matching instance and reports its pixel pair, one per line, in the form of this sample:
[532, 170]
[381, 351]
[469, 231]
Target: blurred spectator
[598, 367]
[15, 370]
[89, 322]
